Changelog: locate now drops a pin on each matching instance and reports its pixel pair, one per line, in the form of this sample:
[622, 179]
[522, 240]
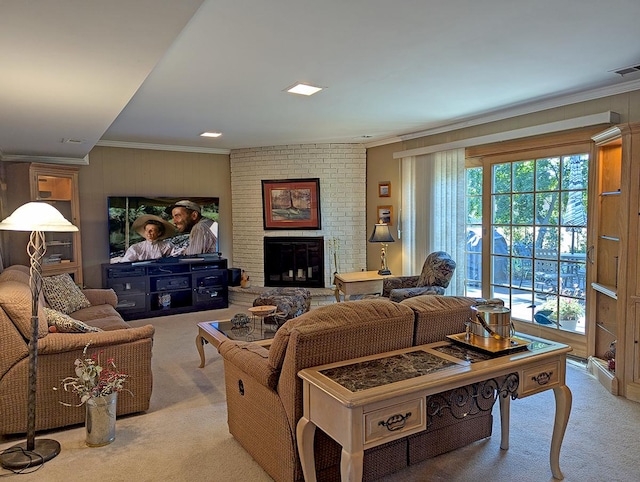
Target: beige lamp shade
[37, 216]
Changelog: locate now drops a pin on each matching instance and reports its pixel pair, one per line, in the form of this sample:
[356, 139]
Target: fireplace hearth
[294, 261]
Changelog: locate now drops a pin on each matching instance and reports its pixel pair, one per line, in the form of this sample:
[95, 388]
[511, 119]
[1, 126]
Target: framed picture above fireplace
[291, 204]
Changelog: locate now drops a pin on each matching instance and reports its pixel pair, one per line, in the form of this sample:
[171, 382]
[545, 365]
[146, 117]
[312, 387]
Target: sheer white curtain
[433, 211]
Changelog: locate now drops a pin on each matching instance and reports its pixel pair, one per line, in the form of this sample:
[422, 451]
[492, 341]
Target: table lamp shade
[381, 234]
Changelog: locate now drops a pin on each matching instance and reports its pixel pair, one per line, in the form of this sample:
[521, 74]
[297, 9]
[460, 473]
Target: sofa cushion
[438, 316]
[341, 321]
[61, 323]
[63, 294]
[16, 273]
[101, 316]
[15, 299]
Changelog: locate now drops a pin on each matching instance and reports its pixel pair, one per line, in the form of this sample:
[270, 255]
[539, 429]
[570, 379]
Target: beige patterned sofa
[130, 347]
[264, 393]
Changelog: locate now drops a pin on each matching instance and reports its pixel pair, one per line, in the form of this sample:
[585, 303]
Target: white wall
[341, 169]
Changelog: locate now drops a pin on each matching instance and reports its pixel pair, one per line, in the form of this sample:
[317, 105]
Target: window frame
[560, 144]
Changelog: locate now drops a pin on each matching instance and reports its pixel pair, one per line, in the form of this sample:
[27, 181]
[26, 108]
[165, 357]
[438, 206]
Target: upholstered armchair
[436, 274]
[290, 303]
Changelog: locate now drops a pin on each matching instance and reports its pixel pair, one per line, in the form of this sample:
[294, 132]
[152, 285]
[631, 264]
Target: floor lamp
[35, 217]
[381, 234]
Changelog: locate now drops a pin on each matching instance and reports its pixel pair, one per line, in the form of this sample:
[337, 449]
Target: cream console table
[362, 403]
[357, 283]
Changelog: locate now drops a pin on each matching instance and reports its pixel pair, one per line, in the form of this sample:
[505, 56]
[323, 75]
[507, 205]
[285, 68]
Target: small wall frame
[385, 215]
[384, 189]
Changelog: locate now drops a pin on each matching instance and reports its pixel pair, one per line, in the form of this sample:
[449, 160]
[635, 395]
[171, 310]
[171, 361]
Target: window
[535, 208]
[473, 230]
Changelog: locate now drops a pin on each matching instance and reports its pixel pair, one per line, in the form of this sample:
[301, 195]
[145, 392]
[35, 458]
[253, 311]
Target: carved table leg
[563, 409]
[305, 432]
[351, 466]
[505, 413]
[200, 341]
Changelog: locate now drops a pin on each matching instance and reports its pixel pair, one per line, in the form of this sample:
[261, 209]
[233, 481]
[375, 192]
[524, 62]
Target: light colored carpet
[184, 436]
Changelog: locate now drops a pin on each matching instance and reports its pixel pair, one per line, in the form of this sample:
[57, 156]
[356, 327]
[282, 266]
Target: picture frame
[291, 204]
[384, 189]
[385, 215]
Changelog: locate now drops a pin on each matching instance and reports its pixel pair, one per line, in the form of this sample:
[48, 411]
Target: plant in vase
[570, 309]
[98, 387]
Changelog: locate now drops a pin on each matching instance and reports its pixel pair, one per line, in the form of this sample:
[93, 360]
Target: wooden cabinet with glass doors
[613, 325]
[58, 186]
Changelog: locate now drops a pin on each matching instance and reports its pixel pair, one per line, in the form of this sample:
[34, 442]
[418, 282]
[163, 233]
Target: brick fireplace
[294, 261]
[341, 169]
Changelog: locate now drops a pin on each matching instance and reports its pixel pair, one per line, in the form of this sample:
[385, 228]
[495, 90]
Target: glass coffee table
[215, 332]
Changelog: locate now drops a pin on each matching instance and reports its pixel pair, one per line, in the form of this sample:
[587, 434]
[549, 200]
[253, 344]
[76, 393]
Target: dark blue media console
[168, 286]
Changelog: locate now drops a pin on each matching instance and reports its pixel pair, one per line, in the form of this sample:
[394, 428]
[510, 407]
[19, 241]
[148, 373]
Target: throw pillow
[63, 294]
[15, 301]
[61, 323]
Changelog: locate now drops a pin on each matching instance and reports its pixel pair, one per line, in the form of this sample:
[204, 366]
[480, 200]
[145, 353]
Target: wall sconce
[381, 234]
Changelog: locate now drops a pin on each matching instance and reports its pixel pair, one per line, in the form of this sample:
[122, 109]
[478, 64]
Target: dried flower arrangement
[92, 379]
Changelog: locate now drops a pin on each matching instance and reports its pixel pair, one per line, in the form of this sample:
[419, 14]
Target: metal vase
[100, 423]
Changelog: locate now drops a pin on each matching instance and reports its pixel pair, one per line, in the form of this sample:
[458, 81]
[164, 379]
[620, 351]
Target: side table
[262, 312]
[357, 283]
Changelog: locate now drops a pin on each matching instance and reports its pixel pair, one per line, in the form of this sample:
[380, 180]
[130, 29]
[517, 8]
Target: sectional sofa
[130, 348]
[264, 393]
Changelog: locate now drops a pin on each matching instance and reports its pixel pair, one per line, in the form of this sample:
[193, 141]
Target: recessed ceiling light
[303, 89]
[211, 134]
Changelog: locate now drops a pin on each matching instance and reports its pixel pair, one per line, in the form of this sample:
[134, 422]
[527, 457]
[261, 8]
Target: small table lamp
[381, 234]
[35, 217]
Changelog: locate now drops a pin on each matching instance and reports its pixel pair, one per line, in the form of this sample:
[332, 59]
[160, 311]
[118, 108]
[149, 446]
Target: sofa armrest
[251, 359]
[97, 296]
[397, 282]
[64, 342]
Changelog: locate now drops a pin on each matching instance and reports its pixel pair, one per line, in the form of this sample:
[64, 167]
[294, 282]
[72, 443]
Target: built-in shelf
[602, 327]
[599, 368]
[609, 291]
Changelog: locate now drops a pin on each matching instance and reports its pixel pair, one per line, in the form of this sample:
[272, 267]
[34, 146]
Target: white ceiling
[162, 72]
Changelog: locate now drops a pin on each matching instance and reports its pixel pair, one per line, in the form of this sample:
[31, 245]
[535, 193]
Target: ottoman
[291, 302]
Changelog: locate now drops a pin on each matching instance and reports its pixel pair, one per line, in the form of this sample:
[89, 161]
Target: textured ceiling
[162, 72]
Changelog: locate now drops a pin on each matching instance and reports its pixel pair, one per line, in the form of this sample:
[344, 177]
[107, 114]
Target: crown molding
[601, 118]
[529, 108]
[382, 142]
[162, 147]
[76, 161]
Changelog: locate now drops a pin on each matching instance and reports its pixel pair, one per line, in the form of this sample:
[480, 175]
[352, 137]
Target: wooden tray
[488, 344]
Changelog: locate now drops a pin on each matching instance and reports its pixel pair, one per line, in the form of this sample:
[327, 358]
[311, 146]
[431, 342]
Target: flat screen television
[124, 210]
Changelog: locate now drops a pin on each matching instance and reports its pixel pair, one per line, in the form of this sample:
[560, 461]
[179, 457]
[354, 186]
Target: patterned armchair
[437, 272]
[290, 303]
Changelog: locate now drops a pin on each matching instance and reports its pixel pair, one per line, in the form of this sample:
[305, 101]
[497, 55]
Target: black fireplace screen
[294, 261]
